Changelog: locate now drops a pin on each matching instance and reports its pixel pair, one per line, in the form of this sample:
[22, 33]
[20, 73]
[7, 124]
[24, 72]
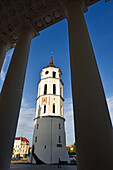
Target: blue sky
[99, 19]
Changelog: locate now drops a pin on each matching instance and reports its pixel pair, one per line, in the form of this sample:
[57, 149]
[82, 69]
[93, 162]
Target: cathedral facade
[49, 141]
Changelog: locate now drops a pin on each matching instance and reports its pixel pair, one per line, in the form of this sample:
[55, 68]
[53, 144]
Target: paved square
[18, 166]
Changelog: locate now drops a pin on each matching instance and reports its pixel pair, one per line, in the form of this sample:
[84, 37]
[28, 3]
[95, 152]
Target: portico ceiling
[39, 13]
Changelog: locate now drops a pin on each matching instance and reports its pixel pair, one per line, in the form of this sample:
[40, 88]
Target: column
[11, 96]
[3, 50]
[92, 121]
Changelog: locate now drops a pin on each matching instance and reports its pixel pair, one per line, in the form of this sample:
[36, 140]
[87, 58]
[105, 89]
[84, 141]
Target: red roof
[23, 140]
[69, 146]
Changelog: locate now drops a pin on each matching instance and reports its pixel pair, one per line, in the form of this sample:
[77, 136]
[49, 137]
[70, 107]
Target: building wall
[48, 148]
[49, 142]
[20, 149]
[49, 100]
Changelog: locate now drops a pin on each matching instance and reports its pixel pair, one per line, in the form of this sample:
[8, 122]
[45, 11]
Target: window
[45, 89]
[61, 91]
[46, 72]
[59, 145]
[35, 139]
[59, 139]
[44, 108]
[54, 88]
[53, 108]
[61, 111]
[37, 126]
[54, 74]
[59, 126]
[45, 146]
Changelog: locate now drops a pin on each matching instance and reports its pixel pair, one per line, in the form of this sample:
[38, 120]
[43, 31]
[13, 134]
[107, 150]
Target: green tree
[72, 151]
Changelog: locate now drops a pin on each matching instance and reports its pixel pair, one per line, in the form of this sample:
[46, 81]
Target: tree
[72, 149]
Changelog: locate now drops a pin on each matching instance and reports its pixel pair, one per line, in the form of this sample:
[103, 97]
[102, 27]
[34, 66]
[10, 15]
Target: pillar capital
[4, 47]
[27, 27]
[66, 4]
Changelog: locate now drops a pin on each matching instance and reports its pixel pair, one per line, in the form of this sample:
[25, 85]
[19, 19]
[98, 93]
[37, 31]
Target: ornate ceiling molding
[40, 13]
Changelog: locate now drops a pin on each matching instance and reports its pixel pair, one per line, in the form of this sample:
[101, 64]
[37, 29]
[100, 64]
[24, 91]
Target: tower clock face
[46, 72]
[44, 100]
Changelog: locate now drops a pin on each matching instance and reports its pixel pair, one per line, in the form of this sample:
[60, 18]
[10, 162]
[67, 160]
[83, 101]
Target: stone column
[3, 50]
[11, 96]
[92, 120]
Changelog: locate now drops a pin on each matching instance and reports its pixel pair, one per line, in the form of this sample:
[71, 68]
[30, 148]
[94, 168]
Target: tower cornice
[51, 95]
[49, 116]
[51, 78]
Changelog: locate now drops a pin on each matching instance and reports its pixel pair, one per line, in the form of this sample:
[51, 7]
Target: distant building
[70, 147]
[21, 147]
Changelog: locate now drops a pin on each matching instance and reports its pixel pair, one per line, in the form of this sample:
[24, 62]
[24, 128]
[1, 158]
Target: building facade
[49, 142]
[21, 147]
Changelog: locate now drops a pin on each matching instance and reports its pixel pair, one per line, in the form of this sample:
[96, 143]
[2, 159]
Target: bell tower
[49, 143]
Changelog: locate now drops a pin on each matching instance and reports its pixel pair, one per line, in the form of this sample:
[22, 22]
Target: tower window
[61, 91]
[44, 108]
[59, 126]
[61, 110]
[54, 74]
[54, 88]
[45, 89]
[59, 139]
[46, 72]
[53, 108]
[35, 139]
[45, 146]
[37, 126]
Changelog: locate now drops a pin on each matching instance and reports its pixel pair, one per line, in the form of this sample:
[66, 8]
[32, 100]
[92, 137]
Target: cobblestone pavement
[17, 166]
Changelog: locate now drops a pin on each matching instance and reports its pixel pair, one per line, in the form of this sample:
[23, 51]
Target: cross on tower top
[51, 59]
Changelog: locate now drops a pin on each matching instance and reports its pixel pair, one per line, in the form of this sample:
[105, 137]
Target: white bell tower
[49, 143]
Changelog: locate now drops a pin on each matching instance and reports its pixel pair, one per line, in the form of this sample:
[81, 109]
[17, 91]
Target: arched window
[53, 108]
[61, 91]
[45, 89]
[54, 88]
[44, 108]
[54, 74]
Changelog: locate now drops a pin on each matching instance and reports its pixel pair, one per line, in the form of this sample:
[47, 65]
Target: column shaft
[3, 50]
[92, 121]
[11, 96]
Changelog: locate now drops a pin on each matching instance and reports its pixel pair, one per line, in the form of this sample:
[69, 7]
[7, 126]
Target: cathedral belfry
[49, 141]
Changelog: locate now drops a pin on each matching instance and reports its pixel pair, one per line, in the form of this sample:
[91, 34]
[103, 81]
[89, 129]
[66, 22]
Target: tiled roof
[23, 140]
[69, 146]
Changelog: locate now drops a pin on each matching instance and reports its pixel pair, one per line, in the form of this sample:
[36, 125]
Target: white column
[11, 96]
[3, 50]
[92, 121]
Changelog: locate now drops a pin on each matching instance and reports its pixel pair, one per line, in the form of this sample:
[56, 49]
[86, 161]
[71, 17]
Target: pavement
[21, 166]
